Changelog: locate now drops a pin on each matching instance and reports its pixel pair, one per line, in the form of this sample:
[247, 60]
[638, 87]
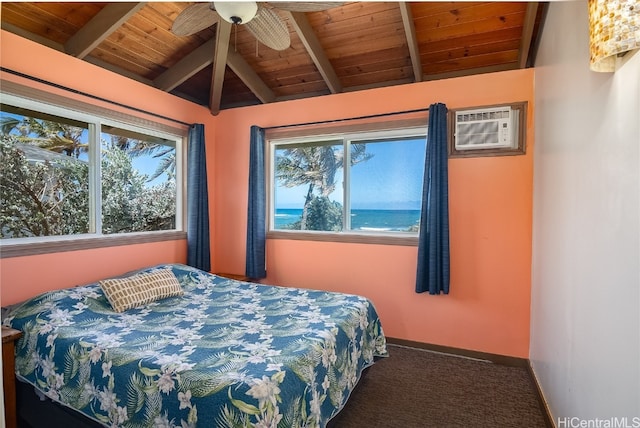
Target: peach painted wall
[490, 209]
[22, 277]
[488, 308]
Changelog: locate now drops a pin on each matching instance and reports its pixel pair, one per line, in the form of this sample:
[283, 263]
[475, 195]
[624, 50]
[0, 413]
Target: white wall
[585, 322]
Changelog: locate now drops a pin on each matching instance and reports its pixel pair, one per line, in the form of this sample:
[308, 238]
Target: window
[365, 184]
[68, 174]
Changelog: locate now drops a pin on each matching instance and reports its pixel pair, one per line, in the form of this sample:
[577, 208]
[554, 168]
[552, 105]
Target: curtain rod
[371, 116]
[95, 97]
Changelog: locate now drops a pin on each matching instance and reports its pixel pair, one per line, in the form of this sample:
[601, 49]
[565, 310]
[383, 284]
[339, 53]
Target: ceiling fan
[259, 18]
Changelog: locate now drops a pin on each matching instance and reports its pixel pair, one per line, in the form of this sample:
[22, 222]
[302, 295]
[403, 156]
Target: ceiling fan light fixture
[236, 12]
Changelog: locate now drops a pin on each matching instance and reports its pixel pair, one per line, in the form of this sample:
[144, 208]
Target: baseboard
[546, 412]
[504, 360]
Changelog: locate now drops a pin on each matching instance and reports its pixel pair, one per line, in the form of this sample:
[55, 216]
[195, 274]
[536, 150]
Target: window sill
[360, 238]
[36, 246]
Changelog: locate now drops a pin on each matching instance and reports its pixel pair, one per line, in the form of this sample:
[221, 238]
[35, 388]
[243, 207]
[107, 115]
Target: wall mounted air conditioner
[486, 128]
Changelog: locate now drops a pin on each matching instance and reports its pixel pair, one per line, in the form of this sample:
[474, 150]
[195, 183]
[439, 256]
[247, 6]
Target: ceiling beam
[220, 54]
[314, 48]
[108, 20]
[527, 33]
[412, 40]
[186, 67]
[250, 78]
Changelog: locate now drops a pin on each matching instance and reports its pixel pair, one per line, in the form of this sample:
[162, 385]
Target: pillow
[140, 289]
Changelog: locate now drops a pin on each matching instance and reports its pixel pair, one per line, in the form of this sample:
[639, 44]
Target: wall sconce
[614, 28]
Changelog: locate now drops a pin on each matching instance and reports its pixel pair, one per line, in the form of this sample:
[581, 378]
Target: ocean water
[383, 220]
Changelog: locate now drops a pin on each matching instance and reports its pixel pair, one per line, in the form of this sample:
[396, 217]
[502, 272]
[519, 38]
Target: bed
[223, 353]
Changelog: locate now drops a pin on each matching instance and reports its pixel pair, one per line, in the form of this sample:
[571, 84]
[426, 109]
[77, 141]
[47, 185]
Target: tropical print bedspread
[226, 354]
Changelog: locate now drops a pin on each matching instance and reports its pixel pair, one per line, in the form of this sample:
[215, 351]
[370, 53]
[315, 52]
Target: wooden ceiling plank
[424, 9]
[127, 60]
[381, 19]
[108, 20]
[302, 89]
[427, 34]
[378, 85]
[186, 67]
[472, 71]
[390, 64]
[250, 78]
[316, 52]
[33, 25]
[395, 42]
[118, 70]
[380, 77]
[348, 13]
[466, 15]
[32, 36]
[75, 14]
[471, 40]
[365, 36]
[471, 63]
[412, 41]
[527, 33]
[460, 53]
[220, 58]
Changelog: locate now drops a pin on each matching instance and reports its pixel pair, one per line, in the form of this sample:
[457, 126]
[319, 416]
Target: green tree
[53, 136]
[323, 214]
[136, 147]
[41, 198]
[315, 166]
[128, 205]
[44, 185]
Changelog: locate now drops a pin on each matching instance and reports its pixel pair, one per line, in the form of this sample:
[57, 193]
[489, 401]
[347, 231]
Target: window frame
[377, 131]
[96, 118]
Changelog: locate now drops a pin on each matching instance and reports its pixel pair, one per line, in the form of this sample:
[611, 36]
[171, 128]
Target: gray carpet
[418, 388]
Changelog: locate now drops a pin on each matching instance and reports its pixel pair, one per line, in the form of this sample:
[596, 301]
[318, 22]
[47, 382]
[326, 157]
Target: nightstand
[9, 337]
[234, 276]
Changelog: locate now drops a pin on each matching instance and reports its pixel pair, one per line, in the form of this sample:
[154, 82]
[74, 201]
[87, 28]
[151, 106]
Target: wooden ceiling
[351, 47]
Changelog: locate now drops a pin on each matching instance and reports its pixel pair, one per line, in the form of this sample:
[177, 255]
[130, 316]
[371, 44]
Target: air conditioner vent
[488, 128]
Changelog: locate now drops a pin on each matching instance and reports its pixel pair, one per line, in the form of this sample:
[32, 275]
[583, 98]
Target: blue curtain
[256, 230]
[198, 252]
[433, 244]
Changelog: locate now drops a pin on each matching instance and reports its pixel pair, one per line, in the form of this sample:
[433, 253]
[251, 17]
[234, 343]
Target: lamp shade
[614, 28]
[236, 12]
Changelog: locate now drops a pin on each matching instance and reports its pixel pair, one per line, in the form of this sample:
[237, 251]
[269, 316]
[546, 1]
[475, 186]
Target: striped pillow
[140, 289]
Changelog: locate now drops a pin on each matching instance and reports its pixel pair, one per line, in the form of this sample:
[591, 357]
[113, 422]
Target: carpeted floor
[417, 388]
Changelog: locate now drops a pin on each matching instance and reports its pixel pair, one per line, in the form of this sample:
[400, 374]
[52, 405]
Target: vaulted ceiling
[350, 47]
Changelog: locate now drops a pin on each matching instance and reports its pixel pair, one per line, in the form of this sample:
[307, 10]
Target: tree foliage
[323, 214]
[48, 194]
[128, 205]
[316, 166]
[43, 198]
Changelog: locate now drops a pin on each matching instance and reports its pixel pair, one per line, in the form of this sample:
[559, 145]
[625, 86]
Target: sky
[391, 179]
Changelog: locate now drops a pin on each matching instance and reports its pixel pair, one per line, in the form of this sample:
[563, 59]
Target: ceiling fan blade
[269, 29]
[306, 6]
[195, 18]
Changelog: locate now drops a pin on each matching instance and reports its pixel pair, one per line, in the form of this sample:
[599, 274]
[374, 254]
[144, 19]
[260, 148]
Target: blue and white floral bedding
[226, 354]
